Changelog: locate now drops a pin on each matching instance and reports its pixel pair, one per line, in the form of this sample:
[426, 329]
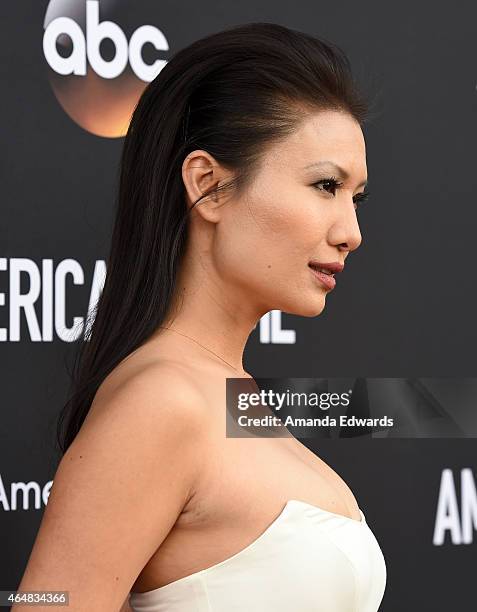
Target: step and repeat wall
[405, 310]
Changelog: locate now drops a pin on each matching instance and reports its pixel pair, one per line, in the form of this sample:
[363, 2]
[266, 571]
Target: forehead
[326, 135]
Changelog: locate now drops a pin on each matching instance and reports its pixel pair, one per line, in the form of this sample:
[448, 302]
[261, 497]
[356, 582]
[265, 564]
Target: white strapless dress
[307, 560]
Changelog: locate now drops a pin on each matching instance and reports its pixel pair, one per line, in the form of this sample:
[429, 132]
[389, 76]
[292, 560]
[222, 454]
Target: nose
[345, 232]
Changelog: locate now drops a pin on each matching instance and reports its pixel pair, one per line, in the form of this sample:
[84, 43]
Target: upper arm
[118, 490]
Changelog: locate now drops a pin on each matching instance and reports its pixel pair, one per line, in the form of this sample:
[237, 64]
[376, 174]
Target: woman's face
[265, 239]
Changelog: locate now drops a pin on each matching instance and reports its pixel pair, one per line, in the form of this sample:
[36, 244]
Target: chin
[306, 309]
[313, 313]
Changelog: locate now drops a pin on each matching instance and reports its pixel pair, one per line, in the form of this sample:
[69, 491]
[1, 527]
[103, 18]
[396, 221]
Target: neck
[213, 315]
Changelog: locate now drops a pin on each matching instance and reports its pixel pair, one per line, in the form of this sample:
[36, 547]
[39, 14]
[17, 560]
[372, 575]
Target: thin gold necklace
[204, 347]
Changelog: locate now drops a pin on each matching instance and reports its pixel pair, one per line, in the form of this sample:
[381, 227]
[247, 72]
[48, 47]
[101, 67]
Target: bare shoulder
[161, 390]
[120, 487]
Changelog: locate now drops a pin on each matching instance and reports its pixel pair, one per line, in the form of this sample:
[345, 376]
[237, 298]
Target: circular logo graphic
[98, 62]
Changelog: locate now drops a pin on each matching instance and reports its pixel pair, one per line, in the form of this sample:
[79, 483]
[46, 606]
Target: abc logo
[96, 73]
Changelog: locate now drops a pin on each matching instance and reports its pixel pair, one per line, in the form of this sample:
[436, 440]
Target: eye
[330, 185]
[360, 198]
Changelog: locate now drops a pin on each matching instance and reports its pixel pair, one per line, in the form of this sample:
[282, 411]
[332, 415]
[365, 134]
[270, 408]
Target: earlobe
[206, 206]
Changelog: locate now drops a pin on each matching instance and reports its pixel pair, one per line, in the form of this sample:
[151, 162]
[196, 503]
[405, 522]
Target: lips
[331, 267]
[324, 272]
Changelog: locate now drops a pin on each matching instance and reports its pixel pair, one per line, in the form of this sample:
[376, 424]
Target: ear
[200, 173]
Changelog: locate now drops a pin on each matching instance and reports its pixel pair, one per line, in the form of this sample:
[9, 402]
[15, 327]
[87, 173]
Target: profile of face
[254, 250]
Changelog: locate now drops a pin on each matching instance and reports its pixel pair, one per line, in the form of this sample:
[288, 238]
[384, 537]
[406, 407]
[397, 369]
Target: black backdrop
[405, 308]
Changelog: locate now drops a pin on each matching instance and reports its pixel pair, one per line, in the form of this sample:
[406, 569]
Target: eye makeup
[332, 183]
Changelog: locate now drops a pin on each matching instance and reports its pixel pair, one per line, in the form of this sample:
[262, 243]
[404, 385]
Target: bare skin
[152, 490]
[243, 486]
[245, 258]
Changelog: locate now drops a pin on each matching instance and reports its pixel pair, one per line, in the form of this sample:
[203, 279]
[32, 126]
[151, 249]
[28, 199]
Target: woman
[241, 175]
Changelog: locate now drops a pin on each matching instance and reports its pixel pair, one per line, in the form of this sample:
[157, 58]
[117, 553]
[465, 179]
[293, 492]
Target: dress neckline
[276, 521]
[337, 515]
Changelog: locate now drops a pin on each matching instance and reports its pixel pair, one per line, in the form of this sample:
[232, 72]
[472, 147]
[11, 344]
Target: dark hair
[232, 93]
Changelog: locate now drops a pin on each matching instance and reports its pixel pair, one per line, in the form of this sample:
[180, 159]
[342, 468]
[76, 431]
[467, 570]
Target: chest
[244, 486]
[253, 475]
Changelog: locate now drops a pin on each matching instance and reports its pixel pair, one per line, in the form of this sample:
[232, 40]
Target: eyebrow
[338, 169]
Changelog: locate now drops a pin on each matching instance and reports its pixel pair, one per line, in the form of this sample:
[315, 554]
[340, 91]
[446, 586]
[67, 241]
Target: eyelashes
[333, 184]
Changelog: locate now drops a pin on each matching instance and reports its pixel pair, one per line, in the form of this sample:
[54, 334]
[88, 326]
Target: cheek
[243, 247]
[293, 231]
[269, 243]
[284, 219]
